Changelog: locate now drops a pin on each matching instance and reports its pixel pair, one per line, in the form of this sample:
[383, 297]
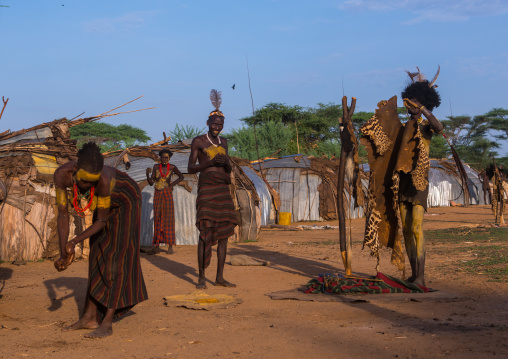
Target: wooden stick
[5, 104]
[344, 248]
[122, 105]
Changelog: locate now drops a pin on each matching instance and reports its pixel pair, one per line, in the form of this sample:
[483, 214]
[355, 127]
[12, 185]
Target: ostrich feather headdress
[420, 77]
[216, 99]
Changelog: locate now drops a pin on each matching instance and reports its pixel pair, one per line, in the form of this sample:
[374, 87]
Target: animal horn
[412, 75]
[431, 84]
[420, 75]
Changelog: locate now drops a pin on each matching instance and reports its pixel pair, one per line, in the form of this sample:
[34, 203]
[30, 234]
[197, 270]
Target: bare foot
[201, 283]
[155, 250]
[420, 281]
[170, 250]
[101, 332]
[411, 279]
[83, 323]
[224, 283]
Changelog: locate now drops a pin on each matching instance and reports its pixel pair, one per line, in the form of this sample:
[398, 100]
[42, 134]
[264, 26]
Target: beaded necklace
[77, 206]
[167, 170]
[211, 140]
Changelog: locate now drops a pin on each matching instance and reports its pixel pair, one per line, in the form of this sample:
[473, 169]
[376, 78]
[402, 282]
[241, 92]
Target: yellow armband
[61, 197]
[104, 202]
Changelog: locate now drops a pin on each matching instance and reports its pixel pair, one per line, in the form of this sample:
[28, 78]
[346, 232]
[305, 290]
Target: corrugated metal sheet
[285, 162]
[445, 187]
[185, 214]
[263, 193]
[298, 193]
[308, 206]
[38, 135]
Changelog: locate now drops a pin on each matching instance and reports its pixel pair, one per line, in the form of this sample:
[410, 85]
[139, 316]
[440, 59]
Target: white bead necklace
[211, 140]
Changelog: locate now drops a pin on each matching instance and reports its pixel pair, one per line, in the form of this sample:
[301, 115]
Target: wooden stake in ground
[346, 145]
[498, 194]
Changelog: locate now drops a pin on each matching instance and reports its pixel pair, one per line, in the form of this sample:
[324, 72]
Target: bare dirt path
[465, 318]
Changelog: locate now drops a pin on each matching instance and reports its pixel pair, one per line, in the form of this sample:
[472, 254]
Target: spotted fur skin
[372, 129]
[421, 170]
[373, 218]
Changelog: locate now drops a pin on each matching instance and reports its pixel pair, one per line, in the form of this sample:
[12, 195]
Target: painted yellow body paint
[213, 151]
[83, 175]
[61, 197]
[104, 202]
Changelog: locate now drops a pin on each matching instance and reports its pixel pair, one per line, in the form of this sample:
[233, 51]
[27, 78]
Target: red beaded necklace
[77, 206]
[167, 170]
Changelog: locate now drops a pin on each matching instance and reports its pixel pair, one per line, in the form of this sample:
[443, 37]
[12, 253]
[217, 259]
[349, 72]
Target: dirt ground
[465, 318]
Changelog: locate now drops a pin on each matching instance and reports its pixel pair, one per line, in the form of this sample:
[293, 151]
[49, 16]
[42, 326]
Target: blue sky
[60, 58]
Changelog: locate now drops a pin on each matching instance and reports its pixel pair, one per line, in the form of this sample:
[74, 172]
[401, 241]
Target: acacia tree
[109, 136]
[310, 126]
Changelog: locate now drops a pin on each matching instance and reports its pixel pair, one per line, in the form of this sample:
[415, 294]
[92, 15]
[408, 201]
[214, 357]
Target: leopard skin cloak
[382, 136]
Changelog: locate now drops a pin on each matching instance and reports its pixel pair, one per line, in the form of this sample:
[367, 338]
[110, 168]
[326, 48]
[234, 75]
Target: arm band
[61, 197]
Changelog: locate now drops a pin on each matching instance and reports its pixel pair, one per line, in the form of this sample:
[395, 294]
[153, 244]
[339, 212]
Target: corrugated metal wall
[185, 214]
[445, 187]
[298, 193]
[263, 193]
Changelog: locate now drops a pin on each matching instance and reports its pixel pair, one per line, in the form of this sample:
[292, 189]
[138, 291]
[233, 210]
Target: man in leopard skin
[419, 99]
[398, 157]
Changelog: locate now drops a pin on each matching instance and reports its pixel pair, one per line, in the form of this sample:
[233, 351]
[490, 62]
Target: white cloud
[484, 66]
[433, 10]
[128, 21]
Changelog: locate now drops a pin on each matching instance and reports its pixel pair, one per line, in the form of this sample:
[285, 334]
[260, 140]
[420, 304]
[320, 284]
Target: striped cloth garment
[115, 279]
[163, 217]
[216, 217]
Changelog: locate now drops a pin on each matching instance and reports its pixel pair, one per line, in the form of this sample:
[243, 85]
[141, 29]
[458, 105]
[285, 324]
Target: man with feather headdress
[399, 163]
[216, 217]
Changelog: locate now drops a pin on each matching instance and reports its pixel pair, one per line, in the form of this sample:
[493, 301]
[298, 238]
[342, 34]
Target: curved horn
[431, 84]
[412, 75]
[420, 76]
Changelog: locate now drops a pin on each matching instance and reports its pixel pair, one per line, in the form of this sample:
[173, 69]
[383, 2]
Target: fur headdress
[216, 99]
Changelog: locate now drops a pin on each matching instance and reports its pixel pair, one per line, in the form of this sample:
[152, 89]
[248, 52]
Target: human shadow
[287, 263]
[74, 287]
[5, 274]
[179, 270]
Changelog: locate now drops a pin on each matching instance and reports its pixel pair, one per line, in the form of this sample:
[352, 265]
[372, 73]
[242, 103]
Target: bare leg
[409, 240]
[417, 227]
[88, 320]
[105, 328]
[170, 249]
[201, 265]
[222, 247]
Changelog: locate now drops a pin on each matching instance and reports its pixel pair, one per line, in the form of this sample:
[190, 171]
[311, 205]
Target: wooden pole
[254, 125]
[346, 117]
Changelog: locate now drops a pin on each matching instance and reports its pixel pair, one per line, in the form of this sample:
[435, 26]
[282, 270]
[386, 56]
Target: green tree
[498, 118]
[273, 137]
[439, 148]
[109, 136]
[185, 132]
[314, 125]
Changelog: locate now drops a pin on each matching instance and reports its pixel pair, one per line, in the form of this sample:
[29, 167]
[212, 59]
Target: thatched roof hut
[28, 211]
[28, 159]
